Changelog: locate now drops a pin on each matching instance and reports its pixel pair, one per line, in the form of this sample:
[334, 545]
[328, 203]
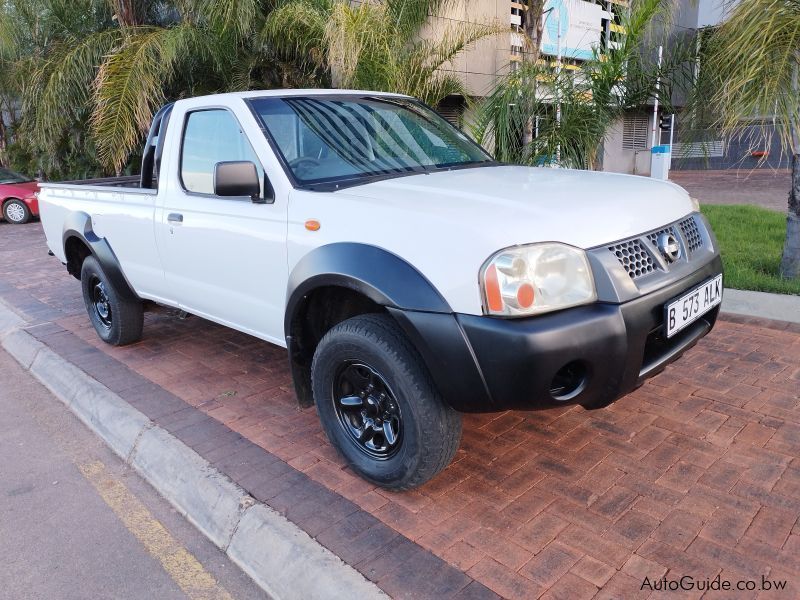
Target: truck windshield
[7, 176]
[349, 140]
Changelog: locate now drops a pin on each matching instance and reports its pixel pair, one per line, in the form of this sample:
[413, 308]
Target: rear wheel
[16, 211]
[378, 405]
[116, 320]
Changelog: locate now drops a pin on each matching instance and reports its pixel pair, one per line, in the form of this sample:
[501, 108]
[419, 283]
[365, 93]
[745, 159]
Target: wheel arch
[336, 282]
[79, 241]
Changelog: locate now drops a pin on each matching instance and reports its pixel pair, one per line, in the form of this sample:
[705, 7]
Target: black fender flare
[79, 225]
[408, 297]
[381, 276]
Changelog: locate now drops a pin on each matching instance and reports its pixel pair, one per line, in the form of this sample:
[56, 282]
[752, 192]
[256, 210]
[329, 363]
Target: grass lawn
[751, 241]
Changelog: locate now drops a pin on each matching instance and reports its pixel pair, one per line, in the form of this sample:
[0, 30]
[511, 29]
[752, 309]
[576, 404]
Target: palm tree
[376, 44]
[30, 32]
[591, 99]
[752, 69]
[151, 50]
[95, 71]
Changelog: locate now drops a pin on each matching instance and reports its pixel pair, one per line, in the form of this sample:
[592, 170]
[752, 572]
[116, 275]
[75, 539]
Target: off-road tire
[430, 429]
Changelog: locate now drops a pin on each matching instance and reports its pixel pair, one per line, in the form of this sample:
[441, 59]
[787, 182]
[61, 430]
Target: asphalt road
[76, 523]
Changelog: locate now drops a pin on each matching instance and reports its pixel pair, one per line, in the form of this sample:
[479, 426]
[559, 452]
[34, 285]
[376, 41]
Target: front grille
[634, 257]
[691, 234]
[638, 255]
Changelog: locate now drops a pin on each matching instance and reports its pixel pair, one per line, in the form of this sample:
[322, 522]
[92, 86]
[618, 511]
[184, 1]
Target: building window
[634, 132]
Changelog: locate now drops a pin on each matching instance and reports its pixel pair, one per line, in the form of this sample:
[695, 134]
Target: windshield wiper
[467, 163]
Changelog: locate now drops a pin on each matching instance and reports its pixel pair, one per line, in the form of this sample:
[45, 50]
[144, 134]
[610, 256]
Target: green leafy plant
[375, 45]
[751, 70]
[591, 99]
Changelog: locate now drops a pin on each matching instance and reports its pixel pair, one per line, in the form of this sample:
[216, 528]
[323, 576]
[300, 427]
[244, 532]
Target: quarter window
[212, 136]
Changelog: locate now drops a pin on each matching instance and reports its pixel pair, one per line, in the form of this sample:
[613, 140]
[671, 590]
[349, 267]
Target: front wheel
[116, 320]
[16, 212]
[378, 405]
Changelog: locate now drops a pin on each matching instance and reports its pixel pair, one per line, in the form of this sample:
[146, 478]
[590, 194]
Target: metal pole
[655, 104]
[671, 137]
[558, 83]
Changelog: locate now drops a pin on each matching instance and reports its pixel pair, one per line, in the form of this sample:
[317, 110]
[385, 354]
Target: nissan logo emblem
[669, 246]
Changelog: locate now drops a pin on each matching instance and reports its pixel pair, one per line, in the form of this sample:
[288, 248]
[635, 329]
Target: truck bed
[126, 181]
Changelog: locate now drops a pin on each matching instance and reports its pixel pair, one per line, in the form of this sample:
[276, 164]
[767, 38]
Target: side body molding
[79, 225]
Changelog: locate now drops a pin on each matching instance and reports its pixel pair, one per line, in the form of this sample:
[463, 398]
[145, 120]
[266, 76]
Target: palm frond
[358, 41]
[755, 65]
[60, 88]
[295, 29]
[232, 17]
[130, 87]
[407, 17]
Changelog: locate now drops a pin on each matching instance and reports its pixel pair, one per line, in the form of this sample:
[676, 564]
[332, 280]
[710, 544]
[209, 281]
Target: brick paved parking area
[695, 474]
[766, 188]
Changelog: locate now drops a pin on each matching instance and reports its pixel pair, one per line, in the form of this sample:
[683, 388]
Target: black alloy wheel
[100, 302]
[367, 410]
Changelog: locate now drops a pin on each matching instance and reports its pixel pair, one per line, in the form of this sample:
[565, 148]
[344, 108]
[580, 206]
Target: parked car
[18, 197]
[410, 276]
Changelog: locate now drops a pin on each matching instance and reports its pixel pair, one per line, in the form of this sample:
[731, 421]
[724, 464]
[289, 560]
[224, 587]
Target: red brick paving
[696, 473]
[760, 187]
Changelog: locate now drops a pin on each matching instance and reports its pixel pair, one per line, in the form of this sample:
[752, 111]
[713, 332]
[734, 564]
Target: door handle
[175, 218]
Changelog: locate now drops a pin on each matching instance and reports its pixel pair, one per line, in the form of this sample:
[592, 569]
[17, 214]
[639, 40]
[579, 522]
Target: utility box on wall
[659, 162]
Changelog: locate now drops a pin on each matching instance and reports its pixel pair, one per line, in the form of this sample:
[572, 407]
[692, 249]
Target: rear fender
[79, 225]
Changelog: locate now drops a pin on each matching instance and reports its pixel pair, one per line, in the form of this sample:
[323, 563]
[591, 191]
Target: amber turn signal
[312, 225]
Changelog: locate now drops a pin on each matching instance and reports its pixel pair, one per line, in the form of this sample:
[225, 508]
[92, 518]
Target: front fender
[417, 307]
[381, 276]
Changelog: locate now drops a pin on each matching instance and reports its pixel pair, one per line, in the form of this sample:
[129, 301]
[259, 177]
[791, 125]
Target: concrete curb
[280, 557]
[778, 307]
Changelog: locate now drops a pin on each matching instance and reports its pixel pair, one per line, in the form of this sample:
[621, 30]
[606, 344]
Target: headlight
[528, 280]
[695, 203]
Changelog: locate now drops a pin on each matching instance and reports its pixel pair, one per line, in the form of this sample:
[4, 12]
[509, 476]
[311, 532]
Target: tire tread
[432, 411]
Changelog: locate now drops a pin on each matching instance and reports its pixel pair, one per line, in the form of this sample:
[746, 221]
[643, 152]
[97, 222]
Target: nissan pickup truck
[409, 275]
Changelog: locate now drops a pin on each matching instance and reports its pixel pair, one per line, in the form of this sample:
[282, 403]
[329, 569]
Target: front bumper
[589, 355]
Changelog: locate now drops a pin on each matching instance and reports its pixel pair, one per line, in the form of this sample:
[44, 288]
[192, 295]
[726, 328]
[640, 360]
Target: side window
[212, 136]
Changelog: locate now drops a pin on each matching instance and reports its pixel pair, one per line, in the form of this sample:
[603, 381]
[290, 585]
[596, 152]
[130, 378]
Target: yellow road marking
[180, 565]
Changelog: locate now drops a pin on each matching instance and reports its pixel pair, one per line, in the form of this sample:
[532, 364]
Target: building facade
[587, 26]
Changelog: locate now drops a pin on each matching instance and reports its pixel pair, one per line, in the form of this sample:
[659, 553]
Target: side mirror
[237, 178]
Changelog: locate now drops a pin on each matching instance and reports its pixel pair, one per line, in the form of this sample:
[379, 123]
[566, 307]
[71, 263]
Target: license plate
[684, 311]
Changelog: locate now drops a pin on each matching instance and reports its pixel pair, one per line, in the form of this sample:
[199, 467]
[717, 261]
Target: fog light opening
[569, 381]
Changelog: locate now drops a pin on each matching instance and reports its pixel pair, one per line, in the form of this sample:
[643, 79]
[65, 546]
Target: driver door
[224, 257]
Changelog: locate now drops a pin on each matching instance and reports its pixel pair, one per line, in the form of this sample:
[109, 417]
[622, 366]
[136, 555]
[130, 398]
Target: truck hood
[510, 205]
[447, 224]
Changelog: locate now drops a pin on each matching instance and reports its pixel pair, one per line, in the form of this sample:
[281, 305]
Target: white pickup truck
[409, 275]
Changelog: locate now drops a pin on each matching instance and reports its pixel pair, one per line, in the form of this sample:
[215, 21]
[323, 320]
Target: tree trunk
[130, 12]
[790, 263]
[2, 138]
[533, 24]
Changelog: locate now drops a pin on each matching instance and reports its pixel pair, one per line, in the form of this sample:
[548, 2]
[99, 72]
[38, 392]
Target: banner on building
[581, 27]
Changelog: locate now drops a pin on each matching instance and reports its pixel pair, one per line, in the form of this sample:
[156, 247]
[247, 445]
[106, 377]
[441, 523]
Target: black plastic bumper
[590, 355]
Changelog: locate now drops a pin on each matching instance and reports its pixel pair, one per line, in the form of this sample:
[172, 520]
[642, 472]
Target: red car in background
[17, 197]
